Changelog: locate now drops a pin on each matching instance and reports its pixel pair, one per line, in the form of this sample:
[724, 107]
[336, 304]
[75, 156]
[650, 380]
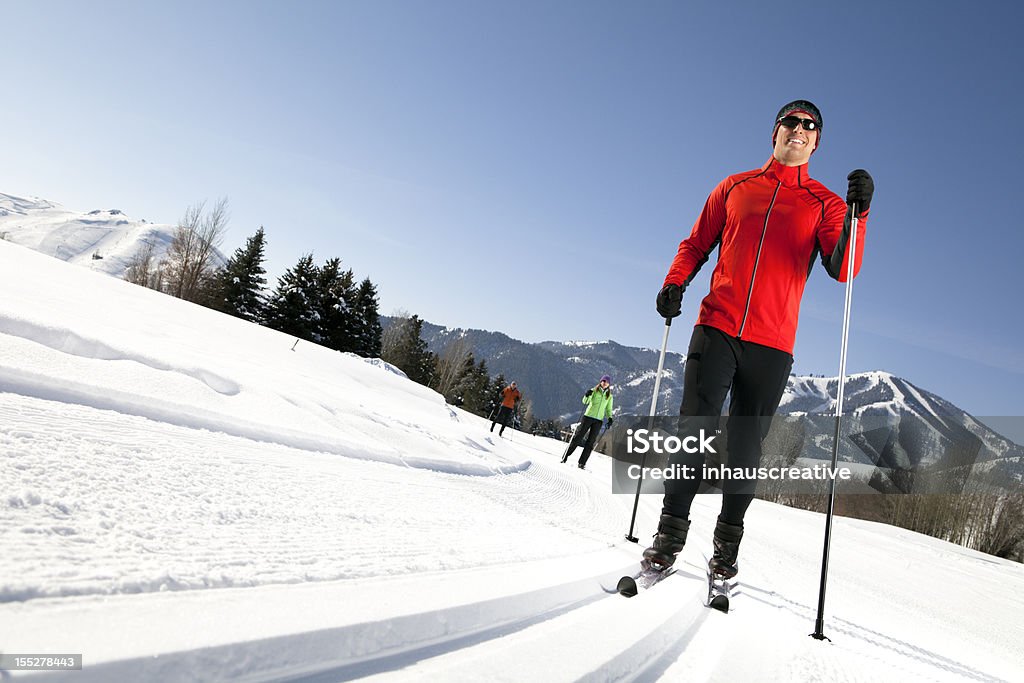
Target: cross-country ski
[647, 577]
[719, 592]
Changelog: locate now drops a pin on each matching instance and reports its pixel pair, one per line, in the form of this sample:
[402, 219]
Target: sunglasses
[794, 121]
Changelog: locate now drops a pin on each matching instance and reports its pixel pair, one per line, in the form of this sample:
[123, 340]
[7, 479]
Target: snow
[185, 497]
[105, 240]
[580, 343]
[667, 374]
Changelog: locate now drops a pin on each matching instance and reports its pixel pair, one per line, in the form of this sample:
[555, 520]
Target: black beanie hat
[800, 105]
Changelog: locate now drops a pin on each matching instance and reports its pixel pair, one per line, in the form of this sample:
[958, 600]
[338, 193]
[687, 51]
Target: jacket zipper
[764, 230]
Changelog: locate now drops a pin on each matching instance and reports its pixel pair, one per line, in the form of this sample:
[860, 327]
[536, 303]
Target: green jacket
[599, 403]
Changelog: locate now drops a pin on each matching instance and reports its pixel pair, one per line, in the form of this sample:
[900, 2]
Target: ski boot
[723, 563]
[669, 540]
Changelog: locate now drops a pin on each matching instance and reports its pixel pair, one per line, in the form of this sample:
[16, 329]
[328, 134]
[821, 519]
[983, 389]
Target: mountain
[906, 428]
[898, 426]
[554, 375]
[102, 239]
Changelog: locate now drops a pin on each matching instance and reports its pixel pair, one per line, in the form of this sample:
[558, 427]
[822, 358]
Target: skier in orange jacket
[510, 396]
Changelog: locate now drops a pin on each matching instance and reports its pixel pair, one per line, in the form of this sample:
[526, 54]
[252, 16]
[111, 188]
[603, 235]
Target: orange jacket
[509, 396]
[770, 224]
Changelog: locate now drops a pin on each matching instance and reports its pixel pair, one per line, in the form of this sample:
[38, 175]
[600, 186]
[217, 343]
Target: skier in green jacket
[599, 406]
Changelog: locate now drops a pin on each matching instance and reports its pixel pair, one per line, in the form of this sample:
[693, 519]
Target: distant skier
[599, 402]
[769, 225]
[510, 397]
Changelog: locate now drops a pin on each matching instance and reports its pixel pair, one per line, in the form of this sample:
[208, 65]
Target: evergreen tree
[475, 388]
[241, 283]
[336, 327]
[367, 321]
[294, 307]
[407, 350]
[494, 393]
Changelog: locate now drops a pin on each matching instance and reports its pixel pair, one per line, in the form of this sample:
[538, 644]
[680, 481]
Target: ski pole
[654, 409]
[819, 623]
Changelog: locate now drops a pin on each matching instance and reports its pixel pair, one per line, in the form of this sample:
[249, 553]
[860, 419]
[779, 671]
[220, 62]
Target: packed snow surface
[185, 497]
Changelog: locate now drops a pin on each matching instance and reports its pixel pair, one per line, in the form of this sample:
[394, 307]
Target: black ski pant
[503, 416]
[756, 375]
[586, 434]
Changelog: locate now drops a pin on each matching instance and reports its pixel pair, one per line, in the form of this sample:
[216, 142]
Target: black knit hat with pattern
[800, 105]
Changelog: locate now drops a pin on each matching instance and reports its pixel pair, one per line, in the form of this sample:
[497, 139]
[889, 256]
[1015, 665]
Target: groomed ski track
[482, 616]
[189, 497]
[514, 637]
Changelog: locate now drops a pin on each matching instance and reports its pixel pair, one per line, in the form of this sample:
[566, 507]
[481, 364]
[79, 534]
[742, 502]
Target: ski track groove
[318, 530]
[185, 539]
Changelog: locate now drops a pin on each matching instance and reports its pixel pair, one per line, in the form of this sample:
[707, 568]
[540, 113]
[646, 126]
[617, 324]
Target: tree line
[318, 303]
[985, 513]
[321, 303]
[455, 373]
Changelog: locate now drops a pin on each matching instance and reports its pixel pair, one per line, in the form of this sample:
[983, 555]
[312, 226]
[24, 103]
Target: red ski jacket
[769, 224]
[509, 396]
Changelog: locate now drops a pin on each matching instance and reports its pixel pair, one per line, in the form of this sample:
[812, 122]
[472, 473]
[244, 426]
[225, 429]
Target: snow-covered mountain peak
[106, 240]
[11, 204]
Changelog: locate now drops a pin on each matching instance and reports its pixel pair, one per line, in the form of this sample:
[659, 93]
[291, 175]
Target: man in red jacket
[770, 225]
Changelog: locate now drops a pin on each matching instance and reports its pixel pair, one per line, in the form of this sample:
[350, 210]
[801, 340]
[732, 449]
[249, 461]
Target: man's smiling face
[793, 146]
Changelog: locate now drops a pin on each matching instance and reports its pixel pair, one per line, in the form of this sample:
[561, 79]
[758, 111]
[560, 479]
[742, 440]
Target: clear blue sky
[530, 167]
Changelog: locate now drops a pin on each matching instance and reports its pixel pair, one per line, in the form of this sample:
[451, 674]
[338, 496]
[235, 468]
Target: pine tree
[367, 321]
[494, 393]
[407, 350]
[476, 388]
[294, 307]
[241, 283]
[336, 319]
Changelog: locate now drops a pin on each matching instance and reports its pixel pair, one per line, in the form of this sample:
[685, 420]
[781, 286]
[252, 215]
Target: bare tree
[393, 333]
[451, 366]
[190, 256]
[143, 269]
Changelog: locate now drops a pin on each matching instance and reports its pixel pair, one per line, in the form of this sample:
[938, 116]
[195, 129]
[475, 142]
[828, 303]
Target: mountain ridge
[106, 240]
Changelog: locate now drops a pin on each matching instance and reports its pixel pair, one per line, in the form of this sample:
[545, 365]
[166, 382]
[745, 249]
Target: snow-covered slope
[183, 497]
[102, 239]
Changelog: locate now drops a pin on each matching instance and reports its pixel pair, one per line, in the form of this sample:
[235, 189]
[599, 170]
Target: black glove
[860, 190]
[609, 423]
[589, 392]
[670, 301]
